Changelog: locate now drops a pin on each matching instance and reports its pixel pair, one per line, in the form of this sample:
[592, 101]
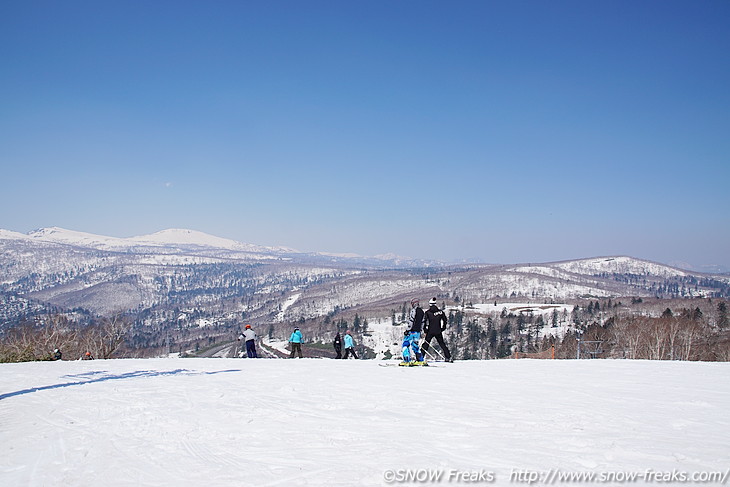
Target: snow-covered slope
[228, 422]
[619, 265]
[172, 238]
[9, 235]
[79, 239]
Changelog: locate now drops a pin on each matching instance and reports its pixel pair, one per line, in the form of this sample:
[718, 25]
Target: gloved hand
[406, 333]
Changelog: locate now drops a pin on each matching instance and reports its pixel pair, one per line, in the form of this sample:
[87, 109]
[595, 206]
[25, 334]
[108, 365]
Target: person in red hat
[249, 336]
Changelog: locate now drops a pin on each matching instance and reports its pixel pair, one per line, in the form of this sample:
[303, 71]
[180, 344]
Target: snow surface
[240, 422]
[166, 238]
[287, 304]
[535, 309]
[384, 338]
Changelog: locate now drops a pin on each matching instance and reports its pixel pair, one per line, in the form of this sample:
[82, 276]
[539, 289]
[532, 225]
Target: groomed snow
[240, 422]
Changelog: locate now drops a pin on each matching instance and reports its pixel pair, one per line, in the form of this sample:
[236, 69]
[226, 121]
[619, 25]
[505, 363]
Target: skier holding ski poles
[435, 324]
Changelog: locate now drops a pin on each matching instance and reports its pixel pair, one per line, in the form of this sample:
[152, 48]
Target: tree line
[38, 340]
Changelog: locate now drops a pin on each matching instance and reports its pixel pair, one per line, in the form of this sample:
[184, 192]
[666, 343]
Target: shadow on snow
[99, 376]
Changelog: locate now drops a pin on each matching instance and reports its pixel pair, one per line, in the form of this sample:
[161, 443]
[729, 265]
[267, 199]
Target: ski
[393, 364]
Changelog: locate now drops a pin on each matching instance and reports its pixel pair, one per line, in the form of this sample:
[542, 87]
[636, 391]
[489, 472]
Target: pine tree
[356, 323]
[697, 314]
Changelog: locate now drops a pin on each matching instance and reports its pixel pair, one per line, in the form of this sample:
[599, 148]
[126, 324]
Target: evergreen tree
[492, 338]
[697, 314]
[356, 323]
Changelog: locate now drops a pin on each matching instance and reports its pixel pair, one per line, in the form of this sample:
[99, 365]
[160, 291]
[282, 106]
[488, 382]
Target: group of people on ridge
[349, 345]
[249, 338]
[57, 355]
[432, 324]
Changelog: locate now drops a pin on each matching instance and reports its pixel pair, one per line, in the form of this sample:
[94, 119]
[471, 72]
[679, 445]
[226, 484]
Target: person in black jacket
[338, 345]
[411, 351]
[435, 323]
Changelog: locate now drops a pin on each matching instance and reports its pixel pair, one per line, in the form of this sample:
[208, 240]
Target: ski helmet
[248, 327]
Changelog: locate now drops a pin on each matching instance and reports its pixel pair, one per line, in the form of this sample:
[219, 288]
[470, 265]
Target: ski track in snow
[229, 422]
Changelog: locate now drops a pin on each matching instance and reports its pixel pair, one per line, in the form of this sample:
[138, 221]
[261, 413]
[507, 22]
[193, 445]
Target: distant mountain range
[181, 275]
[177, 240]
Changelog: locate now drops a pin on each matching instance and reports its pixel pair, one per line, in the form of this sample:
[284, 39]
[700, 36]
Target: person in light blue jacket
[296, 340]
[349, 345]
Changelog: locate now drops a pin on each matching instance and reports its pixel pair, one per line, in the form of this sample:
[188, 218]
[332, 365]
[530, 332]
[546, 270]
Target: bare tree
[105, 338]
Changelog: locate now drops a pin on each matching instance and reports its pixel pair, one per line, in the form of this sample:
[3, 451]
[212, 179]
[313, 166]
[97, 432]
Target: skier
[296, 340]
[435, 324]
[57, 354]
[338, 345]
[349, 345]
[412, 335]
[249, 336]
[87, 356]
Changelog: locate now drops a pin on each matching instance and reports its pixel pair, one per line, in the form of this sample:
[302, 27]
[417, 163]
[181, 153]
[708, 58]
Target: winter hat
[432, 302]
[414, 301]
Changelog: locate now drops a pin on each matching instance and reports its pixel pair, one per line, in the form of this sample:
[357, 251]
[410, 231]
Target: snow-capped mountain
[170, 239]
[219, 278]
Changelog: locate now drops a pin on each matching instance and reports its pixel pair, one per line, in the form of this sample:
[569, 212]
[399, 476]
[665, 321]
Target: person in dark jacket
[338, 345]
[435, 323]
[411, 351]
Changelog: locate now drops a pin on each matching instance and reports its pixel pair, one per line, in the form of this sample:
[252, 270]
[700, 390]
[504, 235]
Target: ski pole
[430, 356]
[440, 354]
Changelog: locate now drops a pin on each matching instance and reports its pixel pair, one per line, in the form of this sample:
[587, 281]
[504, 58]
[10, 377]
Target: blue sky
[514, 131]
